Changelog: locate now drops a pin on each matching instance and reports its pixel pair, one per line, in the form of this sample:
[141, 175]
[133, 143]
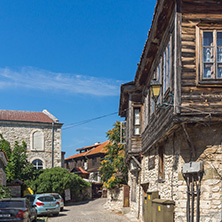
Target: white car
[59, 199]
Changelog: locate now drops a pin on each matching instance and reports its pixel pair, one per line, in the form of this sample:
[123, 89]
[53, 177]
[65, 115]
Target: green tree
[5, 145]
[113, 168]
[57, 180]
[4, 192]
[18, 167]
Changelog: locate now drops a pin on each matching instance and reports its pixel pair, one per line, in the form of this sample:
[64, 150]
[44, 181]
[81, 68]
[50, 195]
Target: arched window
[38, 164]
[37, 140]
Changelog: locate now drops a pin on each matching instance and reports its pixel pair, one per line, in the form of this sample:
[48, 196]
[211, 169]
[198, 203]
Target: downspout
[52, 144]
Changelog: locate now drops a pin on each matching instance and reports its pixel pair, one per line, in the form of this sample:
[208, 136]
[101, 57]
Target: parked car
[45, 204]
[60, 199]
[17, 209]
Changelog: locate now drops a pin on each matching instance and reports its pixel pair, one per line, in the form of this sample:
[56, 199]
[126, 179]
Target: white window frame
[136, 125]
[32, 140]
[38, 158]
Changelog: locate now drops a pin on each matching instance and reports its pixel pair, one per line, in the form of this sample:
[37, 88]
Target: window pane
[136, 130]
[219, 38]
[208, 38]
[219, 70]
[219, 54]
[37, 140]
[137, 116]
[208, 53]
[208, 71]
[37, 164]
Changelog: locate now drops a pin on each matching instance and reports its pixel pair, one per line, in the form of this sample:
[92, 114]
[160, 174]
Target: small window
[37, 141]
[94, 161]
[136, 121]
[38, 164]
[210, 55]
[161, 162]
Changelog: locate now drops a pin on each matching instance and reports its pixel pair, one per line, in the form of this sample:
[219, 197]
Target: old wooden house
[86, 163]
[173, 112]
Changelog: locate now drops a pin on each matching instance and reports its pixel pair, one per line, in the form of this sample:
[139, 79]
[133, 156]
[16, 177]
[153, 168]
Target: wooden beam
[193, 152]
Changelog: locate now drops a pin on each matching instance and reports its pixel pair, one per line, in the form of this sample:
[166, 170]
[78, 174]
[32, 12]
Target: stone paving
[92, 211]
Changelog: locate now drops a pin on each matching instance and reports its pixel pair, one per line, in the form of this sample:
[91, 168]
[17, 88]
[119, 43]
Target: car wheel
[61, 209]
[56, 214]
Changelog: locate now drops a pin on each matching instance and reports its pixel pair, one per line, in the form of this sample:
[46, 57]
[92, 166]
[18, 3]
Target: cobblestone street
[88, 211]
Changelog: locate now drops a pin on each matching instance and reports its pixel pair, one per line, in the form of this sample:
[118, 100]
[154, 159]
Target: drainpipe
[52, 144]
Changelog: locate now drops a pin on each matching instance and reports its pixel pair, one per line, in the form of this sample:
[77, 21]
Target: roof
[80, 170]
[88, 147]
[98, 149]
[27, 116]
[77, 155]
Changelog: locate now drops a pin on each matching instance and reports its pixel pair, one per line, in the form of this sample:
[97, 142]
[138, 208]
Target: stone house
[3, 163]
[40, 130]
[86, 163]
[173, 137]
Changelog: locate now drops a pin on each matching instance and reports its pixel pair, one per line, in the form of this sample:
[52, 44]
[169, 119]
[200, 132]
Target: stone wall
[115, 199]
[206, 140]
[19, 132]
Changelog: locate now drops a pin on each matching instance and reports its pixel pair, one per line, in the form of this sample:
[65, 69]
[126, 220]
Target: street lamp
[155, 93]
[155, 90]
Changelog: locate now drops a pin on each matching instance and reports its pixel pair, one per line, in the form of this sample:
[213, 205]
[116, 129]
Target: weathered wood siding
[196, 98]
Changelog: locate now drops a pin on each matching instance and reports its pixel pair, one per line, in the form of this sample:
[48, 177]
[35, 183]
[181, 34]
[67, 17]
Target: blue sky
[70, 57]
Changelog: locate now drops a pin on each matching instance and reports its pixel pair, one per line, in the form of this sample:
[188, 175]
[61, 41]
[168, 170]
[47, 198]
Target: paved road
[88, 211]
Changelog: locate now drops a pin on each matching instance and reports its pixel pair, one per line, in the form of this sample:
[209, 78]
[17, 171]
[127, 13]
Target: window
[94, 161]
[37, 140]
[136, 121]
[161, 162]
[210, 60]
[133, 189]
[38, 164]
[166, 69]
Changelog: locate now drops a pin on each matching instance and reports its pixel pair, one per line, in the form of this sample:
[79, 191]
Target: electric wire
[71, 125]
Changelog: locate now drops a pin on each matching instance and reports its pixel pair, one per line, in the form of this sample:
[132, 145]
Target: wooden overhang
[126, 88]
[161, 18]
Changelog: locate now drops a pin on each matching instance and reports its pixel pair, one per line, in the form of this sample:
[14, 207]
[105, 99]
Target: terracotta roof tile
[25, 116]
[82, 171]
[99, 149]
[77, 155]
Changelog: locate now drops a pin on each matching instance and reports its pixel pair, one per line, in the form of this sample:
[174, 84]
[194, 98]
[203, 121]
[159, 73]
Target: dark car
[17, 209]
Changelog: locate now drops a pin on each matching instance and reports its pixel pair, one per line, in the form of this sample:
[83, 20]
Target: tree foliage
[4, 192]
[18, 167]
[57, 180]
[113, 168]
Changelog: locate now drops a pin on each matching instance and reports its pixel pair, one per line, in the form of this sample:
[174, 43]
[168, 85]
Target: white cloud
[37, 79]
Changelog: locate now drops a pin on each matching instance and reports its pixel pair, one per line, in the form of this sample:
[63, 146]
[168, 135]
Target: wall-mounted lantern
[155, 93]
[155, 90]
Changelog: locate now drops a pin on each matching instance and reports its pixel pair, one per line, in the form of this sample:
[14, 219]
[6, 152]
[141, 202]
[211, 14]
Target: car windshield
[11, 203]
[46, 198]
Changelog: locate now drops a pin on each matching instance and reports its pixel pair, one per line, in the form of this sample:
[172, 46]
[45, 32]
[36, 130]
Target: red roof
[82, 171]
[99, 149]
[77, 155]
[25, 116]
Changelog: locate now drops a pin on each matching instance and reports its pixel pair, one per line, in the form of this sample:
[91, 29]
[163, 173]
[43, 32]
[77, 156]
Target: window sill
[216, 83]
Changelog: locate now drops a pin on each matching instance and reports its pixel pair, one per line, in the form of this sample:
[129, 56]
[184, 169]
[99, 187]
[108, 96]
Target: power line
[71, 125]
